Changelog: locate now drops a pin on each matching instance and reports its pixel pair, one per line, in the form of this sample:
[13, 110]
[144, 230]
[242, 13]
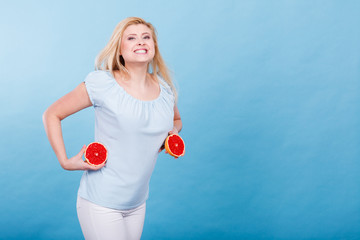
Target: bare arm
[69, 104]
[177, 121]
[177, 125]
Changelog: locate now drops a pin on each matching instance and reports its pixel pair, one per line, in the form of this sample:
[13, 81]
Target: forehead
[136, 29]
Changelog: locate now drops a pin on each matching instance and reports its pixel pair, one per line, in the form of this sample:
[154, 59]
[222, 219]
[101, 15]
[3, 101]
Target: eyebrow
[136, 34]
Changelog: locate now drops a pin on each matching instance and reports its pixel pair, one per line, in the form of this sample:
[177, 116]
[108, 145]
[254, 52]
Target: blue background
[269, 98]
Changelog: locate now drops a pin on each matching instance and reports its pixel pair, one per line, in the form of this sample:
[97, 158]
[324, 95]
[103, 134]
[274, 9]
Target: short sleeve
[167, 88]
[97, 82]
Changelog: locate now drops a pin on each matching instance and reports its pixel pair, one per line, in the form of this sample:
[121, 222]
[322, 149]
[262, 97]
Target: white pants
[102, 223]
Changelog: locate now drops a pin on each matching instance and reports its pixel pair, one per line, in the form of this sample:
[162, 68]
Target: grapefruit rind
[167, 147]
[88, 161]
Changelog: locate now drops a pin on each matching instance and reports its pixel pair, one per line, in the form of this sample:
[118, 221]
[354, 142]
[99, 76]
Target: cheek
[152, 54]
[124, 48]
[152, 46]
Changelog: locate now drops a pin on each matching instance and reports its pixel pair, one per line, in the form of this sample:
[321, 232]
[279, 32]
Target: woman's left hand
[173, 131]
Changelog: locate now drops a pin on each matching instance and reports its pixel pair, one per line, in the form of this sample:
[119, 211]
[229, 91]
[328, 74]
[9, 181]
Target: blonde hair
[109, 58]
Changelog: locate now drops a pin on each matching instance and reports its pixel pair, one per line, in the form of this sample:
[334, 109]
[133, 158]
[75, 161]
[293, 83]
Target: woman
[135, 109]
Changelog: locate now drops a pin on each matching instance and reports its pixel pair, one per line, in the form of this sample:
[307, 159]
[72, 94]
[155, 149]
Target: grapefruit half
[175, 145]
[95, 153]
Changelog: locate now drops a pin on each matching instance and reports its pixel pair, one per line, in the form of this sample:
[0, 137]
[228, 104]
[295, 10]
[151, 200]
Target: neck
[138, 73]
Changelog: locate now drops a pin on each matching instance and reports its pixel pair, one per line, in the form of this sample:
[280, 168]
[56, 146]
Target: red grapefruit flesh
[95, 153]
[174, 145]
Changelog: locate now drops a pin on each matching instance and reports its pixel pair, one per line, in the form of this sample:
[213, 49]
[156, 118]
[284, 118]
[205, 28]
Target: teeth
[140, 51]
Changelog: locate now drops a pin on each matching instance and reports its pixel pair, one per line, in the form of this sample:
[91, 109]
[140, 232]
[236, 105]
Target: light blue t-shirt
[132, 131]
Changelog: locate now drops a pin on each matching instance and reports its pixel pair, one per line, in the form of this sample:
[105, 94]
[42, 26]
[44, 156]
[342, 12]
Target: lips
[141, 51]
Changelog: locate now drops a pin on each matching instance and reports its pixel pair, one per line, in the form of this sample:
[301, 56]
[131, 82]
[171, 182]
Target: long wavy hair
[110, 58]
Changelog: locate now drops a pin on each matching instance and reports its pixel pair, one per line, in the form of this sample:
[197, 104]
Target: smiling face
[137, 44]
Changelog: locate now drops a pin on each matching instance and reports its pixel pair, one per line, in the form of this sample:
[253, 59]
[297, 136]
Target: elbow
[45, 116]
[48, 115]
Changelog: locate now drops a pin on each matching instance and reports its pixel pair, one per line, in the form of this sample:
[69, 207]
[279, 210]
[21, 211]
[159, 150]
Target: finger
[101, 165]
[90, 167]
[84, 165]
[162, 147]
[82, 151]
[97, 167]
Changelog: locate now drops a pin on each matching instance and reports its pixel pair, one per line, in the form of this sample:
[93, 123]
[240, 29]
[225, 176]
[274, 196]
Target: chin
[138, 61]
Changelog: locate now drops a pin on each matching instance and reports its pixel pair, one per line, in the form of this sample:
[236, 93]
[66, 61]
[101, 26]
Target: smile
[141, 51]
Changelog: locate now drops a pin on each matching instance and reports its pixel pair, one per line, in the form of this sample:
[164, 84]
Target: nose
[140, 42]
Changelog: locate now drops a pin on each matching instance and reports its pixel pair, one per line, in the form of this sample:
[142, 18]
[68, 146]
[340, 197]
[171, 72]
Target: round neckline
[139, 100]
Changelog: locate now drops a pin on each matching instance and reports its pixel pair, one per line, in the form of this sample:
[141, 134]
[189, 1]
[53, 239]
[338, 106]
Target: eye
[130, 38]
[147, 37]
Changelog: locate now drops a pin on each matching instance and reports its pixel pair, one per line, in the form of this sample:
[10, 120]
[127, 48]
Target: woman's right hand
[77, 163]
[67, 105]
